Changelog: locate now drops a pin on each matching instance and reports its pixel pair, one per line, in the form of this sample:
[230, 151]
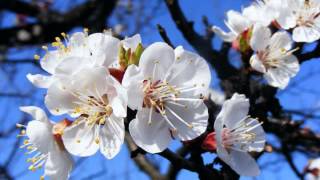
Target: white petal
[279, 77]
[91, 80]
[50, 61]
[260, 136]
[39, 134]
[305, 34]
[234, 110]
[79, 139]
[158, 58]
[36, 112]
[112, 137]
[152, 138]
[189, 70]
[260, 37]
[221, 151]
[290, 65]
[133, 82]
[259, 13]
[196, 114]
[237, 22]
[58, 165]
[244, 164]
[281, 40]
[131, 42]
[77, 39]
[256, 64]
[39, 80]
[104, 48]
[228, 37]
[119, 99]
[315, 163]
[59, 100]
[71, 65]
[286, 18]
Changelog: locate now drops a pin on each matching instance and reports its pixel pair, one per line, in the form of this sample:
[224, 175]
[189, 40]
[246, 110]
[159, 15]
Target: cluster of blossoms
[273, 53]
[93, 78]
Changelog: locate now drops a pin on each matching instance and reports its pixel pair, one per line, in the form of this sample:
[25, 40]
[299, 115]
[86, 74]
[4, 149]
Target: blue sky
[303, 92]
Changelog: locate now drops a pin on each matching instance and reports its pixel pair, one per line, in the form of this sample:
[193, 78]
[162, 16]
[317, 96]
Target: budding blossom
[303, 17]
[99, 102]
[236, 134]
[47, 149]
[273, 56]
[167, 89]
[238, 24]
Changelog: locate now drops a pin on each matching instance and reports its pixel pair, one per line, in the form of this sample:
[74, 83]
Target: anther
[36, 57]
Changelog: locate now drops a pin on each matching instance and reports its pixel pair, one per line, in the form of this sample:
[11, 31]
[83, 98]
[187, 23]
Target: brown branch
[173, 171]
[180, 162]
[164, 35]
[309, 55]
[288, 157]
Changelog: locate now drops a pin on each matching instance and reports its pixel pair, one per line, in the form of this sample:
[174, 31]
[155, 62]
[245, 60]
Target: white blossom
[167, 90]
[263, 11]
[313, 170]
[303, 16]
[273, 56]
[237, 134]
[237, 23]
[42, 145]
[79, 51]
[99, 102]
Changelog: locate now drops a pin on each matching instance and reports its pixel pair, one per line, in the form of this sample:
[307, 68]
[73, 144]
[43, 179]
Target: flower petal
[50, 61]
[260, 37]
[39, 134]
[36, 112]
[305, 34]
[112, 137]
[286, 18]
[156, 60]
[152, 138]
[189, 70]
[256, 64]
[59, 100]
[58, 165]
[281, 40]
[79, 139]
[234, 110]
[225, 36]
[119, 99]
[243, 164]
[71, 65]
[39, 80]
[195, 114]
[133, 82]
[104, 48]
[279, 77]
[131, 42]
[236, 22]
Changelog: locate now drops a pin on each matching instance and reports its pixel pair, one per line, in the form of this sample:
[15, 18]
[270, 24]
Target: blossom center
[95, 109]
[159, 95]
[240, 136]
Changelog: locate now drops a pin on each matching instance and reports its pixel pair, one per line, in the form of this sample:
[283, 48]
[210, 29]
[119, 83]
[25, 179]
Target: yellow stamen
[36, 57]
